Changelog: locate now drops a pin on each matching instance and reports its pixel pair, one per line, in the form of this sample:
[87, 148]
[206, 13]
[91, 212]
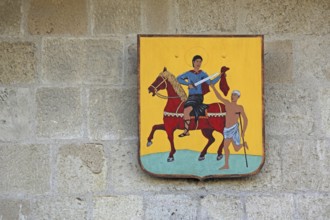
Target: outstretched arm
[225, 101]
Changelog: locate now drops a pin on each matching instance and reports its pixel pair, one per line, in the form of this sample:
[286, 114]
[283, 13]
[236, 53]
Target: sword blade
[205, 79]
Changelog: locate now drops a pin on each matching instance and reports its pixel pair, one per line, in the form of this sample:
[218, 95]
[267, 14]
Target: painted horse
[214, 119]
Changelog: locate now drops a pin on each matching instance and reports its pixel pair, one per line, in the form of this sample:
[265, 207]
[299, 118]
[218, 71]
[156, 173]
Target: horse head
[159, 84]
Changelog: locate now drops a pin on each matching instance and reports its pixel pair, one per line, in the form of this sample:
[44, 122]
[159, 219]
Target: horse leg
[208, 134]
[151, 135]
[219, 157]
[170, 138]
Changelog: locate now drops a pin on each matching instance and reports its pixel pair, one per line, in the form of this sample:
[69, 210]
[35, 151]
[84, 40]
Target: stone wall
[68, 110]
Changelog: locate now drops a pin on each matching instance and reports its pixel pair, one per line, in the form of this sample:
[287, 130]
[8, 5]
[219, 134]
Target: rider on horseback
[195, 99]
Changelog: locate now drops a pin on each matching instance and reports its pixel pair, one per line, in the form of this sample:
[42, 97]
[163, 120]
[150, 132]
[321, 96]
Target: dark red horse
[214, 119]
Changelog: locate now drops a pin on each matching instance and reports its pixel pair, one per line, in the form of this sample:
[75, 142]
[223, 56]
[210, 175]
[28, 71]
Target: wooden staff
[240, 121]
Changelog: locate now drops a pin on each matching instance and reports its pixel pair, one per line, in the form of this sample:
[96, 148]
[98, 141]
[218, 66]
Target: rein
[160, 95]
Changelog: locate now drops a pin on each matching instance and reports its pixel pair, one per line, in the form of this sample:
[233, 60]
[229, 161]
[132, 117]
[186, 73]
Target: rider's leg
[186, 118]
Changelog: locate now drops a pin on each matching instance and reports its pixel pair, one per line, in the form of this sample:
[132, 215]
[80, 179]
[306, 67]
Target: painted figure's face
[234, 97]
[197, 63]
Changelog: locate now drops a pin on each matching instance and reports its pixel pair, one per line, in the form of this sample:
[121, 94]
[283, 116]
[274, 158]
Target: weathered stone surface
[278, 62]
[59, 113]
[70, 208]
[24, 169]
[131, 65]
[324, 98]
[57, 17]
[81, 169]
[15, 114]
[14, 209]
[207, 16]
[222, 207]
[305, 166]
[10, 17]
[270, 207]
[118, 207]
[312, 60]
[313, 206]
[268, 17]
[171, 207]
[117, 17]
[288, 110]
[82, 61]
[17, 62]
[113, 113]
[158, 17]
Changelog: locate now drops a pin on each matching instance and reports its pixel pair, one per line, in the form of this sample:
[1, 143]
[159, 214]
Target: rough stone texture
[324, 95]
[69, 208]
[24, 168]
[15, 114]
[131, 62]
[288, 110]
[14, 209]
[81, 169]
[113, 113]
[312, 60]
[57, 17]
[10, 17]
[270, 207]
[17, 62]
[278, 62]
[171, 207]
[313, 206]
[222, 207]
[118, 207]
[305, 166]
[119, 17]
[206, 16]
[82, 61]
[59, 113]
[158, 17]
[269, 17]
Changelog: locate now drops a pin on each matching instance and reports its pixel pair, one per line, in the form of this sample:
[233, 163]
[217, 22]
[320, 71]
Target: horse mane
[176, 85]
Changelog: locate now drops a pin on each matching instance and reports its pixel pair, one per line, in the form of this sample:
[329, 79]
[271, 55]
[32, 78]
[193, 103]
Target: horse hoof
[170, 159]
[201, 158]
[149, 143]
[219, 157]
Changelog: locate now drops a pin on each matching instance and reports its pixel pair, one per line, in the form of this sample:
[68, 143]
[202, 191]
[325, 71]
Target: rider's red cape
[223, 85]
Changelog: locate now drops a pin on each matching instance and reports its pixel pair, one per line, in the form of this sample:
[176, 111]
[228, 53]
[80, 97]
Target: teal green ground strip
[186, 163]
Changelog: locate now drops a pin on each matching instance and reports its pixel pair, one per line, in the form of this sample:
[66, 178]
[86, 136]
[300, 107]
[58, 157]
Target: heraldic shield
[201, 111]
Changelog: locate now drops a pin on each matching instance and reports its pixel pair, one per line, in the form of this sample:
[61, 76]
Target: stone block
[112, 113]
[85, 61]
[117, 17]
[289, 111]
[312, 61]
[207, 16]
[81, 169]
[16, 120]
[69, 208]
[158, 17]
[131, 65]
[278, 62]
[10, 17]
[59, 113]
[57, 17]
[171, 207]
[313, 206]
[277, 17]
[17, 62]
[270, 206]
[222, 207]
[305, 166]
[14, 209]
[24, 169]
[118, 207]
[324, 100]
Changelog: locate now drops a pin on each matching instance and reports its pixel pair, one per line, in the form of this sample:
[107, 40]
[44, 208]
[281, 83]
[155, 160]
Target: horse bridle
[160, 95]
